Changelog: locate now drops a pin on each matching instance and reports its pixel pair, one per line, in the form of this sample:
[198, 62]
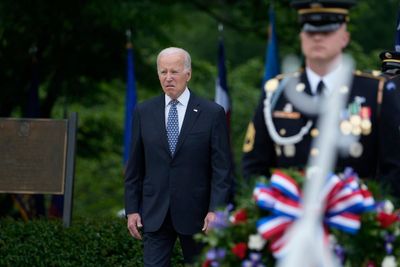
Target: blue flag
[272, 55]
[130, 100]
[221, 88]
[397, 38]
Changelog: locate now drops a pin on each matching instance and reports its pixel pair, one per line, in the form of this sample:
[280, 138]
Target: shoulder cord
[268, 107]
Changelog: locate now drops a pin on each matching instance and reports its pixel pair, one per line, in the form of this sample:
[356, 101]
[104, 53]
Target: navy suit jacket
[194, 181]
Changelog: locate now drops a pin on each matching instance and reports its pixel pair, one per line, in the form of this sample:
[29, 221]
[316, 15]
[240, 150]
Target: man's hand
[134, 223]
[210, 217]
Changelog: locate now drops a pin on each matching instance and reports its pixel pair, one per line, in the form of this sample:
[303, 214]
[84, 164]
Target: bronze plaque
[32, 155]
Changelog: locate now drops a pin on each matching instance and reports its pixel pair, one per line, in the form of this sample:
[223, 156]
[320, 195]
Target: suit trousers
[158, 245]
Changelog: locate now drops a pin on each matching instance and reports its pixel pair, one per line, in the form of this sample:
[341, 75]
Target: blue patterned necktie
[172, 126]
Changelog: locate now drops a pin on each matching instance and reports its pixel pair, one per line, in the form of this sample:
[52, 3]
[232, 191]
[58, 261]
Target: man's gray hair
[172, 50]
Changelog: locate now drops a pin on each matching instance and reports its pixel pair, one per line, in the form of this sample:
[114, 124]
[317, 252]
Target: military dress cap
[390, 60]
[322, 15]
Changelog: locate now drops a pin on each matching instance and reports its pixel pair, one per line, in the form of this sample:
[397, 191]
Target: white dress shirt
[329, 79]
[181, 107]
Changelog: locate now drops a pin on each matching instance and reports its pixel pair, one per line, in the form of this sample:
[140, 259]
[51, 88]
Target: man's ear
[346, 38]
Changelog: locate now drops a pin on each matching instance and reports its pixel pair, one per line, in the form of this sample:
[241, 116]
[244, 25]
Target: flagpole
[128, 34]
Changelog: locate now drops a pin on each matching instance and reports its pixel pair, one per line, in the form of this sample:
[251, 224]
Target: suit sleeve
[220, 161]
[390, 137]
[134, 171]
[258, 149]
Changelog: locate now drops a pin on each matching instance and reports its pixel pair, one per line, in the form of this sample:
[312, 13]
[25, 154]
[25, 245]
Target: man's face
[324, 46]
[172, 74]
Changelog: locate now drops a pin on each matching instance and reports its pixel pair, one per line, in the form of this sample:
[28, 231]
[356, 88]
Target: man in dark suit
[178, 172]
[286, 139]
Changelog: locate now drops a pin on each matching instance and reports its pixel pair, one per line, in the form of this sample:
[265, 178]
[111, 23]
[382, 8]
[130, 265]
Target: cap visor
[307, 27]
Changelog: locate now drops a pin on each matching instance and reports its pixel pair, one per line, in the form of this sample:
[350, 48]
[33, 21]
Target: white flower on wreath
[256, 242]
[389, 261]
[388, 207]
[332, 239]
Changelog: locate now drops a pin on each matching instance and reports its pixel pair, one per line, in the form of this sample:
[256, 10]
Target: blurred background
[58, 57]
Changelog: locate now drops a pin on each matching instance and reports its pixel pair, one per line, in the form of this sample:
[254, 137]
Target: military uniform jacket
[375, 154]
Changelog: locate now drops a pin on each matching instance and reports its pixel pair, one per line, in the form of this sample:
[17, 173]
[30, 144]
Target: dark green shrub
[88, 242]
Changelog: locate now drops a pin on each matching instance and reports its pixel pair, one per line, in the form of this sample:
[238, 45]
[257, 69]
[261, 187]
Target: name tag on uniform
[286, 115]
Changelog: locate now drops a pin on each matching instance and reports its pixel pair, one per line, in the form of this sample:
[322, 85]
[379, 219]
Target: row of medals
[355, 120]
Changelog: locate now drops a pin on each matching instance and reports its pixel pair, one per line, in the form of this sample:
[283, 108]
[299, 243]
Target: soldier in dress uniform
[390, 69]
[280, 135]
[391, 59]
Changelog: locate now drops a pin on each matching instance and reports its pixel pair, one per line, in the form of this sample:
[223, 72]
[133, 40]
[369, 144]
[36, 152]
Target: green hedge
[88, 242]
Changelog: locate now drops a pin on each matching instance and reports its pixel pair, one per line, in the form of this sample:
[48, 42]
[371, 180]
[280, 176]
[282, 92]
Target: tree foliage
[81, 56]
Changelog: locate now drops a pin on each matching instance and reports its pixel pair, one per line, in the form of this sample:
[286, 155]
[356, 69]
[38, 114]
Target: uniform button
[314, 132]
[356, 149]
[376, 73]
[300, 87]
[278, 150]
[289, 150]
[271, 85]
[282, 131]
[314, 152]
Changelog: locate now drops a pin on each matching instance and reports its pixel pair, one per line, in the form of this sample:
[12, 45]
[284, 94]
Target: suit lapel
[192, 112]
[159, 122]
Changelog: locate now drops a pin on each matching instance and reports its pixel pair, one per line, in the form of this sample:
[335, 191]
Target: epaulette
[375, 76]
[289, 74]
[272, 84]
[391, 73]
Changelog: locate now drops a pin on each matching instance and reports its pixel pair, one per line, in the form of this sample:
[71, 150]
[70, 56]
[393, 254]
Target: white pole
[305, 245]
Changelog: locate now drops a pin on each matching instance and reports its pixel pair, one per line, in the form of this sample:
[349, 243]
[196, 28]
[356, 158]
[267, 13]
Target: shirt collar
[183, 98]
[329, 79]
